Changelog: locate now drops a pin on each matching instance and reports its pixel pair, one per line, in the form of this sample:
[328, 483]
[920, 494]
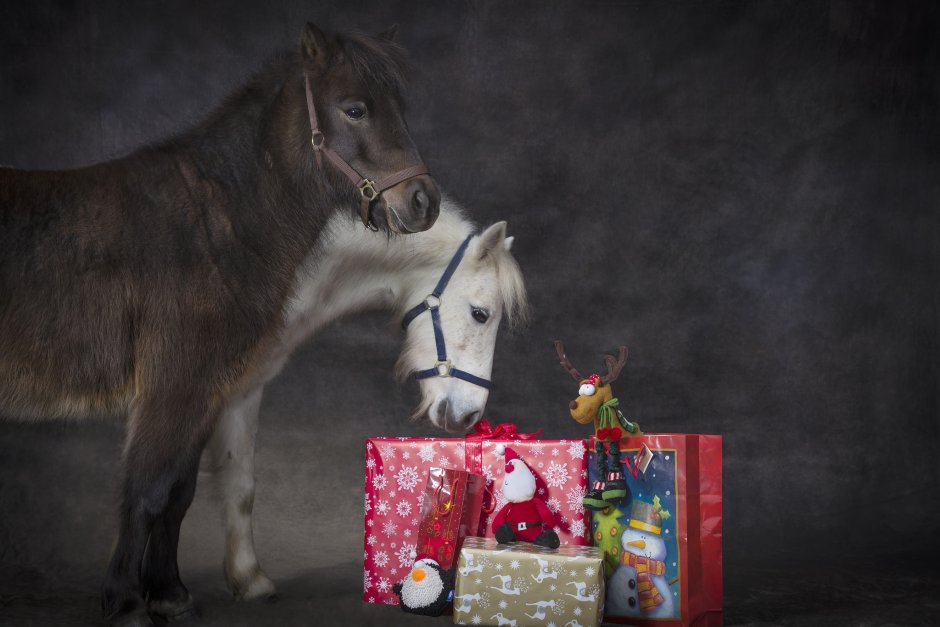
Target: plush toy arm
[500, 517]
[545, 514]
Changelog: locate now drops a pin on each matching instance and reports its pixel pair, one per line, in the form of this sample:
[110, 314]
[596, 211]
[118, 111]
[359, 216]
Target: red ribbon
[504, 431]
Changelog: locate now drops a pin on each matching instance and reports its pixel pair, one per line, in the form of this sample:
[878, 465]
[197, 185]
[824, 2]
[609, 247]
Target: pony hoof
[174, 611]
[258, 588]
[134, 619]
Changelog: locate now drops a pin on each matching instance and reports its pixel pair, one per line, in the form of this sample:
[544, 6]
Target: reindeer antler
[614, 366]
[563, 360]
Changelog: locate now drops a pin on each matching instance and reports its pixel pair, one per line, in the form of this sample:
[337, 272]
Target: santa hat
[502, 449]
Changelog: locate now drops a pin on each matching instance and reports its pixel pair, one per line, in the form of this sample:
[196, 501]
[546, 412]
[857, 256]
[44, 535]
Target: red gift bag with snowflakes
[396, 474]
[453, 502]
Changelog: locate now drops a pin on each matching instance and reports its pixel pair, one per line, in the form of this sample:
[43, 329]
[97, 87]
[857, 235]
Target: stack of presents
[509, 528]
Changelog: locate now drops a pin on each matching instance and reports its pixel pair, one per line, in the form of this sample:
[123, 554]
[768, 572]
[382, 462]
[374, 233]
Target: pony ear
[507, 243]
[389, 33]
[314, 45]
[489, 240]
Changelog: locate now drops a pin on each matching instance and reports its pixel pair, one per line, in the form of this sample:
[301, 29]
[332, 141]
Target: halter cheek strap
[443, 366]
[369, 190]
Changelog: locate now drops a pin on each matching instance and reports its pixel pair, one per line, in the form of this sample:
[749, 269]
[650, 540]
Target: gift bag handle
[442, 509]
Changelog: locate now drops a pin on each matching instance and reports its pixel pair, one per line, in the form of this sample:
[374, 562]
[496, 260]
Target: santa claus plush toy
[525, 517]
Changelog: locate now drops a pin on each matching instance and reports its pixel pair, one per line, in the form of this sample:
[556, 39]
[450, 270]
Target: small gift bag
[453, 501]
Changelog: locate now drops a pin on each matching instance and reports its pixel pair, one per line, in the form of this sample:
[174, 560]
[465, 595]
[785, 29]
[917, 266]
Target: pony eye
[355, 113]
[479, 314]
[587, 390]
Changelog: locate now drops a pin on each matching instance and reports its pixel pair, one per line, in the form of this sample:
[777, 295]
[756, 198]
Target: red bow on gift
[505, 431]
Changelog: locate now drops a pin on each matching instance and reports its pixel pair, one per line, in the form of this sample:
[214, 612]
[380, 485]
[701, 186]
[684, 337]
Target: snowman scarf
[650, 598]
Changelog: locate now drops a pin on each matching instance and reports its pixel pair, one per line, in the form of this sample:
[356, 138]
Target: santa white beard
[519, 485]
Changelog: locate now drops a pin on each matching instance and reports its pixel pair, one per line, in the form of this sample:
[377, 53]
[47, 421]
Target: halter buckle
[444, 368]
[367, 189]
[317, 139]
[433, 301]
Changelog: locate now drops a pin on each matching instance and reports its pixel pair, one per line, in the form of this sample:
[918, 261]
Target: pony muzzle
[411, 206]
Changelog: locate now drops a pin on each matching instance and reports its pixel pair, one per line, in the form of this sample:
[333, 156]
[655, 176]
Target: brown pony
[152, 286]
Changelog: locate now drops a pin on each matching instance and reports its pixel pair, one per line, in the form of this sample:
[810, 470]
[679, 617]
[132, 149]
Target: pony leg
[164, 591]
[161, 459]
[232, 453]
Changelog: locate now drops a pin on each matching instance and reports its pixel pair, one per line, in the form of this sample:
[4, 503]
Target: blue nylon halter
[443, 367]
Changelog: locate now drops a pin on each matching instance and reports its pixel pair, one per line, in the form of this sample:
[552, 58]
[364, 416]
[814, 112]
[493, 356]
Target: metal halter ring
[368, 186]
[433, 301]
[443, 368]
[318, 139]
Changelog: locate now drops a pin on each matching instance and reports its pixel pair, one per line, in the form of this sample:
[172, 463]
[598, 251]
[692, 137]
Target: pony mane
[511, 288]
[379, 62]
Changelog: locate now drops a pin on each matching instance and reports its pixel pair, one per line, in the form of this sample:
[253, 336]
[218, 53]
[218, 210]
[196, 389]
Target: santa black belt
[442, 367]
[523, 526]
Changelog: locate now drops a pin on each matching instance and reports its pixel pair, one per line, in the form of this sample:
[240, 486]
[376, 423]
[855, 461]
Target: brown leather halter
[369, 190]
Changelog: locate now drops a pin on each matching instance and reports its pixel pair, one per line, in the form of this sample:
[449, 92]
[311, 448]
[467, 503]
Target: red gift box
[397, 471]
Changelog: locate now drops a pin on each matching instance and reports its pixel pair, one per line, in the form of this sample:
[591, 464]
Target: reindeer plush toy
[597, 402]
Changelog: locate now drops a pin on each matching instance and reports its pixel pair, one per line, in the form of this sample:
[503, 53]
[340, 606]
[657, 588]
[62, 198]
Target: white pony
[358, 270]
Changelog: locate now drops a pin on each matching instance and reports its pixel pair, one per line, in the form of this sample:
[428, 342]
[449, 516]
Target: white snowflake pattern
[379, 482]
[576, 449]
[426, 453]
[406, 533]
[589, 571]
[381, 507]
[366, 581]
[555, 452]
[499, 567]
[389, 528]
[371, 540]
[538, 450]
[514, 564]
[577, 529]
[407, 478]
[443, 462]
[557, 475]
[383, 585]
[404, 554]
[554, 505]
[476, 620]
[403, 508]
[489, 474]
[553, 587]
[380, 558]
[503, 605]
[575, 498]
[577, 611]
[551, 624]
[540, 464]
[406, 455]
[368, 505]
[387, 450]
[541, 491]
[370, 463]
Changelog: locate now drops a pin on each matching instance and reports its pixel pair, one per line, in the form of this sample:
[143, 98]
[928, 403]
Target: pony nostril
[469, 419]
[573, 405]
[420, 203]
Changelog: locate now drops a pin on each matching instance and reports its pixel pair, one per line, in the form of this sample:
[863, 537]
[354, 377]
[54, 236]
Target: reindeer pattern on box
[526, 584]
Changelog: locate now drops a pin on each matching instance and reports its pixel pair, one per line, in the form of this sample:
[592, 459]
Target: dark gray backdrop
[745, 193]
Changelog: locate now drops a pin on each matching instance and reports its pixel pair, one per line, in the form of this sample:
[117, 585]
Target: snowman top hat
[648, 516]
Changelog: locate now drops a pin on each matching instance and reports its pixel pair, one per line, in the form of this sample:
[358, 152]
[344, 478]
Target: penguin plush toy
[427, 589]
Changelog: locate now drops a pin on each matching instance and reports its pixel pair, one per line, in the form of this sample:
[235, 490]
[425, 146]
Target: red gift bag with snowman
[662, 540]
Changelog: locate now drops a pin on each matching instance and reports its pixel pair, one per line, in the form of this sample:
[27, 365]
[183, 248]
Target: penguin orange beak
[640, 544]
[418, 574]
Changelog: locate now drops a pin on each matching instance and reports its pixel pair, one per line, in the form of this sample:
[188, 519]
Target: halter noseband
[369, 190]
[443, 367]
